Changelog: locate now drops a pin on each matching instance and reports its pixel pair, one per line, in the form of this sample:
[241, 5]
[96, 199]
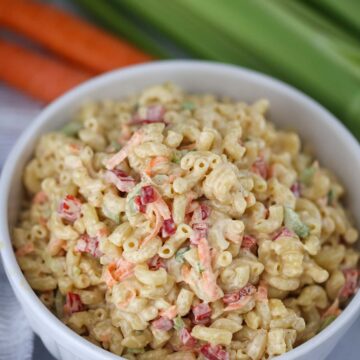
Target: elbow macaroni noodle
[174, 226]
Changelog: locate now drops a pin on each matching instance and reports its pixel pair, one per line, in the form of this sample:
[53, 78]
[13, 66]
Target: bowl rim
[12, 269]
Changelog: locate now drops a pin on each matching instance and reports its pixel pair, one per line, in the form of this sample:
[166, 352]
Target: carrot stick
[68, 36]
[39, 76]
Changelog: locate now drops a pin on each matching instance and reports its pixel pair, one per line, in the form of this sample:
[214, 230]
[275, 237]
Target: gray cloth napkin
[16, 336]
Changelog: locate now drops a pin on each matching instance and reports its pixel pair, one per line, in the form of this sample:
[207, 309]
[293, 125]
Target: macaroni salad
[178, 226]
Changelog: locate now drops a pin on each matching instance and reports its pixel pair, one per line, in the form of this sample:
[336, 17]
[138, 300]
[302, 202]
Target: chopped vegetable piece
[147, 195]
[188, 105]
[249, 243]
[119, 271]
[122, 154]
[331, 197]
[89, 46]
[186, 338]
[307, 175]
[40, 198]
[179, 256]
[168, 228]
[178, 155]
[72, 128]
[235, 296]
[214, 352]
[162, 323]
[139, 205]
[25, 249]
[120, 179]
[169, 313]
[201, 313]
[351, 283]
[73, 303]
[327, 321]
[284, 231]
[70, 208]
[154, 163]
[199, 222]
[178, 323]
[154, 113]
[156, 262]
[292, 221]
[262, 292]
[200, 231]
[261, 168]
[89, 245]
[135, 350]
[296, 189]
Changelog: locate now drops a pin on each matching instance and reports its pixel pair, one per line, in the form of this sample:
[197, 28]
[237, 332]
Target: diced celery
[307, 175]
[72, 128]
[178, 323]
[293, 222]
[179, 256]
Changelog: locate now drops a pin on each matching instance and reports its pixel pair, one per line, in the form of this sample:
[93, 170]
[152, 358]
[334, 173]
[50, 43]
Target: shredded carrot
[119, 271]
[75, 148]
[157, 160]
[187, 147]
[208, 277]
[169, 313]
[262, 292]
[25, 249]
[108, 275]
[122, 154]
[238, 304]
[158, 223]
[162, 206]
[68, 36]
[103, 232]
[39, 76]
[40, 198]
[185, 272]
[333, 309]
[204, 254]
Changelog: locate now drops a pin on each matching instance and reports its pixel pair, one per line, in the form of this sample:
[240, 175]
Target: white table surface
[17, 111]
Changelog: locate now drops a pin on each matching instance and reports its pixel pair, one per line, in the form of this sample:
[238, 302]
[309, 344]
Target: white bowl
[333, 144]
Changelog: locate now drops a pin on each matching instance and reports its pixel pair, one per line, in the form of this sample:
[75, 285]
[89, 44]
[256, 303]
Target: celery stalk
[120, 24]
[305, 56]
[190, 31]
[346, 11]
[285, 38]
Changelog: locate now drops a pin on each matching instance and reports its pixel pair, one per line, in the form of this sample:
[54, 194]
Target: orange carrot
[68, 35]
[25, 249]
[157, 160]
[39, 76]
[156, 227]
[239, 304]
[119, 271]
[40, 198]
[169, 313]
[122, 154]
